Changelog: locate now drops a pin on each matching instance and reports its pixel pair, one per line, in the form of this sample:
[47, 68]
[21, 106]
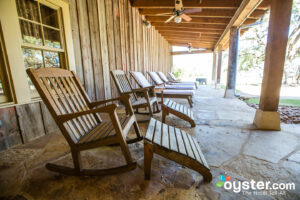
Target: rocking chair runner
[79, 121]
[124, 87]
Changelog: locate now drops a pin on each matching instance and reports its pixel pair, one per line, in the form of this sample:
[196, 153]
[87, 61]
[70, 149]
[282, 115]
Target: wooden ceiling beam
[246, 8]
[174, 53]
[190, 41]
[203, 13]
[202, 20]
[227, 4]
[190, 25]
[195, 45]
[189, 31]
[191, 36]
[215, 4]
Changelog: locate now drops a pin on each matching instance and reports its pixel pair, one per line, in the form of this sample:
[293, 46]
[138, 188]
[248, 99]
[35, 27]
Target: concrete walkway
[225, 132]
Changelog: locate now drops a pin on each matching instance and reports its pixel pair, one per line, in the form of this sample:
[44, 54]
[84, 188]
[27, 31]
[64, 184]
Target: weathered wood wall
[107, 35]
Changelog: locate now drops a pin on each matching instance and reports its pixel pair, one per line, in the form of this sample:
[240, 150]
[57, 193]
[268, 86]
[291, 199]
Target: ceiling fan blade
[163, 14]
[170, 19]
[192, 10]
[178, 4]
[186, 17]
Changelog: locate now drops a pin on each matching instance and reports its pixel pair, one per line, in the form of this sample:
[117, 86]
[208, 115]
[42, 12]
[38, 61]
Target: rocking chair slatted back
[123, 84]
[62, 93]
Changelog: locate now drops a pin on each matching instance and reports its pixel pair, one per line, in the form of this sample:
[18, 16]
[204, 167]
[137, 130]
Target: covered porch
[229, 141]
[95, 38]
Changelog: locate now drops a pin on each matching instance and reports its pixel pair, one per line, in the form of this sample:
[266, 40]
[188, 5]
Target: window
[42, 36]
[4, 86]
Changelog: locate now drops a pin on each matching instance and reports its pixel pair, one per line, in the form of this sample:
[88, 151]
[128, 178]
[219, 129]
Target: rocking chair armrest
[140, 90]
[105, 109]
[98, 103]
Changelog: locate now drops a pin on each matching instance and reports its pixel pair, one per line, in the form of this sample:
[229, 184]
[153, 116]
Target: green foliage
[253, 45]
[282, 102]
[178, 72]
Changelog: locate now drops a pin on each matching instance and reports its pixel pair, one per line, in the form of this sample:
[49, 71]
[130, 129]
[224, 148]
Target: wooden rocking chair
[79, 121]
[125, 88]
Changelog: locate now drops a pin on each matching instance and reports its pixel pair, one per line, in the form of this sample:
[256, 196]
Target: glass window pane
[32, 58]
[31, 33]
[52, 59]
[49, 16]
[28, 9]
[52, 38]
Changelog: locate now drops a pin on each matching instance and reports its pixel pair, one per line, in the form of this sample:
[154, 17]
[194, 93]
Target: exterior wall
[107, 35]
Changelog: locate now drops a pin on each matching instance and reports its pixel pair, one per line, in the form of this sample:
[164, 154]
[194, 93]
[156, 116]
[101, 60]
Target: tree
[252, 53]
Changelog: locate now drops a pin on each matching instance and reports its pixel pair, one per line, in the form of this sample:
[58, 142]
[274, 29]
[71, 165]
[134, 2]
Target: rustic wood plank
[85, 42]
[10, 134]
[173, 139]
[195, 151]
[181, 147]
[187, 145]
[165, 136]
[150, 130]
[104, 48]
[30, 120]
[157, 135]
[96, 49]
[76, 39]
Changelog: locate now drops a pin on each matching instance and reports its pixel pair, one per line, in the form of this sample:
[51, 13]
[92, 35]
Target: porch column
[219, 68]
[266, 116]
[232, 63]
[213, 76]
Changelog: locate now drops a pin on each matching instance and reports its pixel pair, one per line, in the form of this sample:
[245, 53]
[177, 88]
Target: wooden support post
[213, 76]
[232, 62]
[219, 68]
[267, 117]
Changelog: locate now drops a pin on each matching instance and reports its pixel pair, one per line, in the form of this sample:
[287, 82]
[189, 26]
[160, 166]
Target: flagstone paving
[224, 131]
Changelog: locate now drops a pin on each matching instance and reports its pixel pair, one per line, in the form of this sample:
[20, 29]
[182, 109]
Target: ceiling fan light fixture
[178, 19]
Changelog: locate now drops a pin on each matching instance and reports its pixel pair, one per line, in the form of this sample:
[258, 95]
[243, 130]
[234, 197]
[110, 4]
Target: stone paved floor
[229, 142]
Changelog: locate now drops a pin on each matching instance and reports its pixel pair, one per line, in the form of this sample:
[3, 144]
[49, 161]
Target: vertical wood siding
[112, 36]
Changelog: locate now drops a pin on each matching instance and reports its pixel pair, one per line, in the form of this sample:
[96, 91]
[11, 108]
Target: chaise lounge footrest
[176, 145]
[178, 110]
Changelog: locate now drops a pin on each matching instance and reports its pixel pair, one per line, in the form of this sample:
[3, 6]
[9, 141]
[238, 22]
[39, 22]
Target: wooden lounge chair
[168, 93]
[125, 88]
[166, 80]
[159, 82]
[172, 78]
[79, 121]
[176, 145]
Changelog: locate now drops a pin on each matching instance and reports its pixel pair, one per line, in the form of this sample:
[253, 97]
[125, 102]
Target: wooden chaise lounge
[142, 82]
[159, 82]
[168, 106]
[166, 80]
[176, 145]
[125, 88]
[79, 121]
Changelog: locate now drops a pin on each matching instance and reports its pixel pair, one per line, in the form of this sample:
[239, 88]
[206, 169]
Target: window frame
[12, 39]
[7, 97]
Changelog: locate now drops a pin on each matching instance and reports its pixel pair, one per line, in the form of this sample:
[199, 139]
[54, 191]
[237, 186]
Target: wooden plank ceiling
[208, 28]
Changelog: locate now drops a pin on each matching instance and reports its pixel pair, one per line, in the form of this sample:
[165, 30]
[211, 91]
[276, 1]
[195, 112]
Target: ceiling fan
[191, 48]
[180, 13]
